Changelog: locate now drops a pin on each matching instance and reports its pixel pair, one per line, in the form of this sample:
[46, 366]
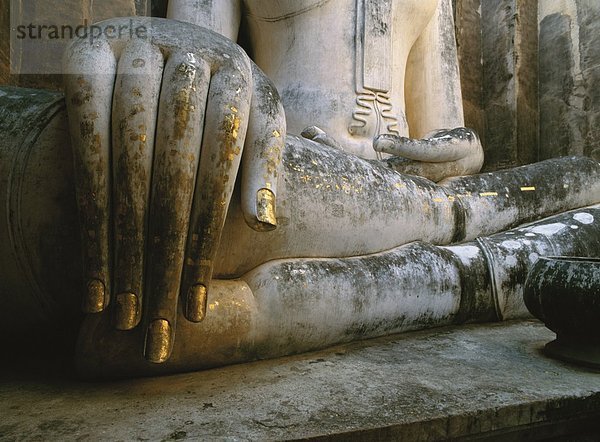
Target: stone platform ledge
[484, 382]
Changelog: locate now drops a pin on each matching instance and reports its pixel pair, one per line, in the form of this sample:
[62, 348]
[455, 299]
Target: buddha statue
[232, 209]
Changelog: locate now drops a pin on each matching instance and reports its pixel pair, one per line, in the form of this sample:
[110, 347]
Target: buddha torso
[339, 64]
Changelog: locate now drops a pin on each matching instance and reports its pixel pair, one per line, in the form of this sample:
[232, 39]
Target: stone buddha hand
[441, 154]
[158, 127]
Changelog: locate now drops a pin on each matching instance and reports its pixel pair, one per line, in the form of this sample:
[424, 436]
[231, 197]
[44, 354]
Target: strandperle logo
[40, 32]
[36, 31]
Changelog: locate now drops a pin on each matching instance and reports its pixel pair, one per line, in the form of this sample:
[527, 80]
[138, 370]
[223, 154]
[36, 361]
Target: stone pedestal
[486, 382]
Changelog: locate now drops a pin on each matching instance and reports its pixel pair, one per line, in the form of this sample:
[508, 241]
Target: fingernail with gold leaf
[265, 207]
[126, 311]
[158, 341]
[94, 300]
[196, 303]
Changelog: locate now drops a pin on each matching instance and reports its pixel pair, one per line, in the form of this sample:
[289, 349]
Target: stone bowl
[564, 293]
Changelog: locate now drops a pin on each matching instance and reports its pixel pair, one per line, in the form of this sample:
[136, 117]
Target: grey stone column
[569, 35]
[497, 49]
[467, 19]
[158, 7]
[510, 75]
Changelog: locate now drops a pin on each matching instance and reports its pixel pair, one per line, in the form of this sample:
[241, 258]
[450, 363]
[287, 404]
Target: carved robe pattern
[373, 69]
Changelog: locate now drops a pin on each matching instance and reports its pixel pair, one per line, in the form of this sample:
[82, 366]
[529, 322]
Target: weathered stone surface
[556, 85]
[485, 380]
[526, 62]
[510, 82]
[569, 78]
[497, 46]
[4, 46]
[159, 8]
[563, 292]
[589, 19]
[28, 118]
[467, 17]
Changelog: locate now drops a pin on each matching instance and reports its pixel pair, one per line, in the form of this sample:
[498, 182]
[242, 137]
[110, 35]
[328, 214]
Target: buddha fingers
[225, 127]
[441, 154]
[89, 102]
[262, 154]
[440, 146]
[135, 111]
[178, 143]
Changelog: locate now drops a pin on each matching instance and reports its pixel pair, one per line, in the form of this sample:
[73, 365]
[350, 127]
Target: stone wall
[467, 18]
[569, 32]
[530, 74]
[498, 49]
